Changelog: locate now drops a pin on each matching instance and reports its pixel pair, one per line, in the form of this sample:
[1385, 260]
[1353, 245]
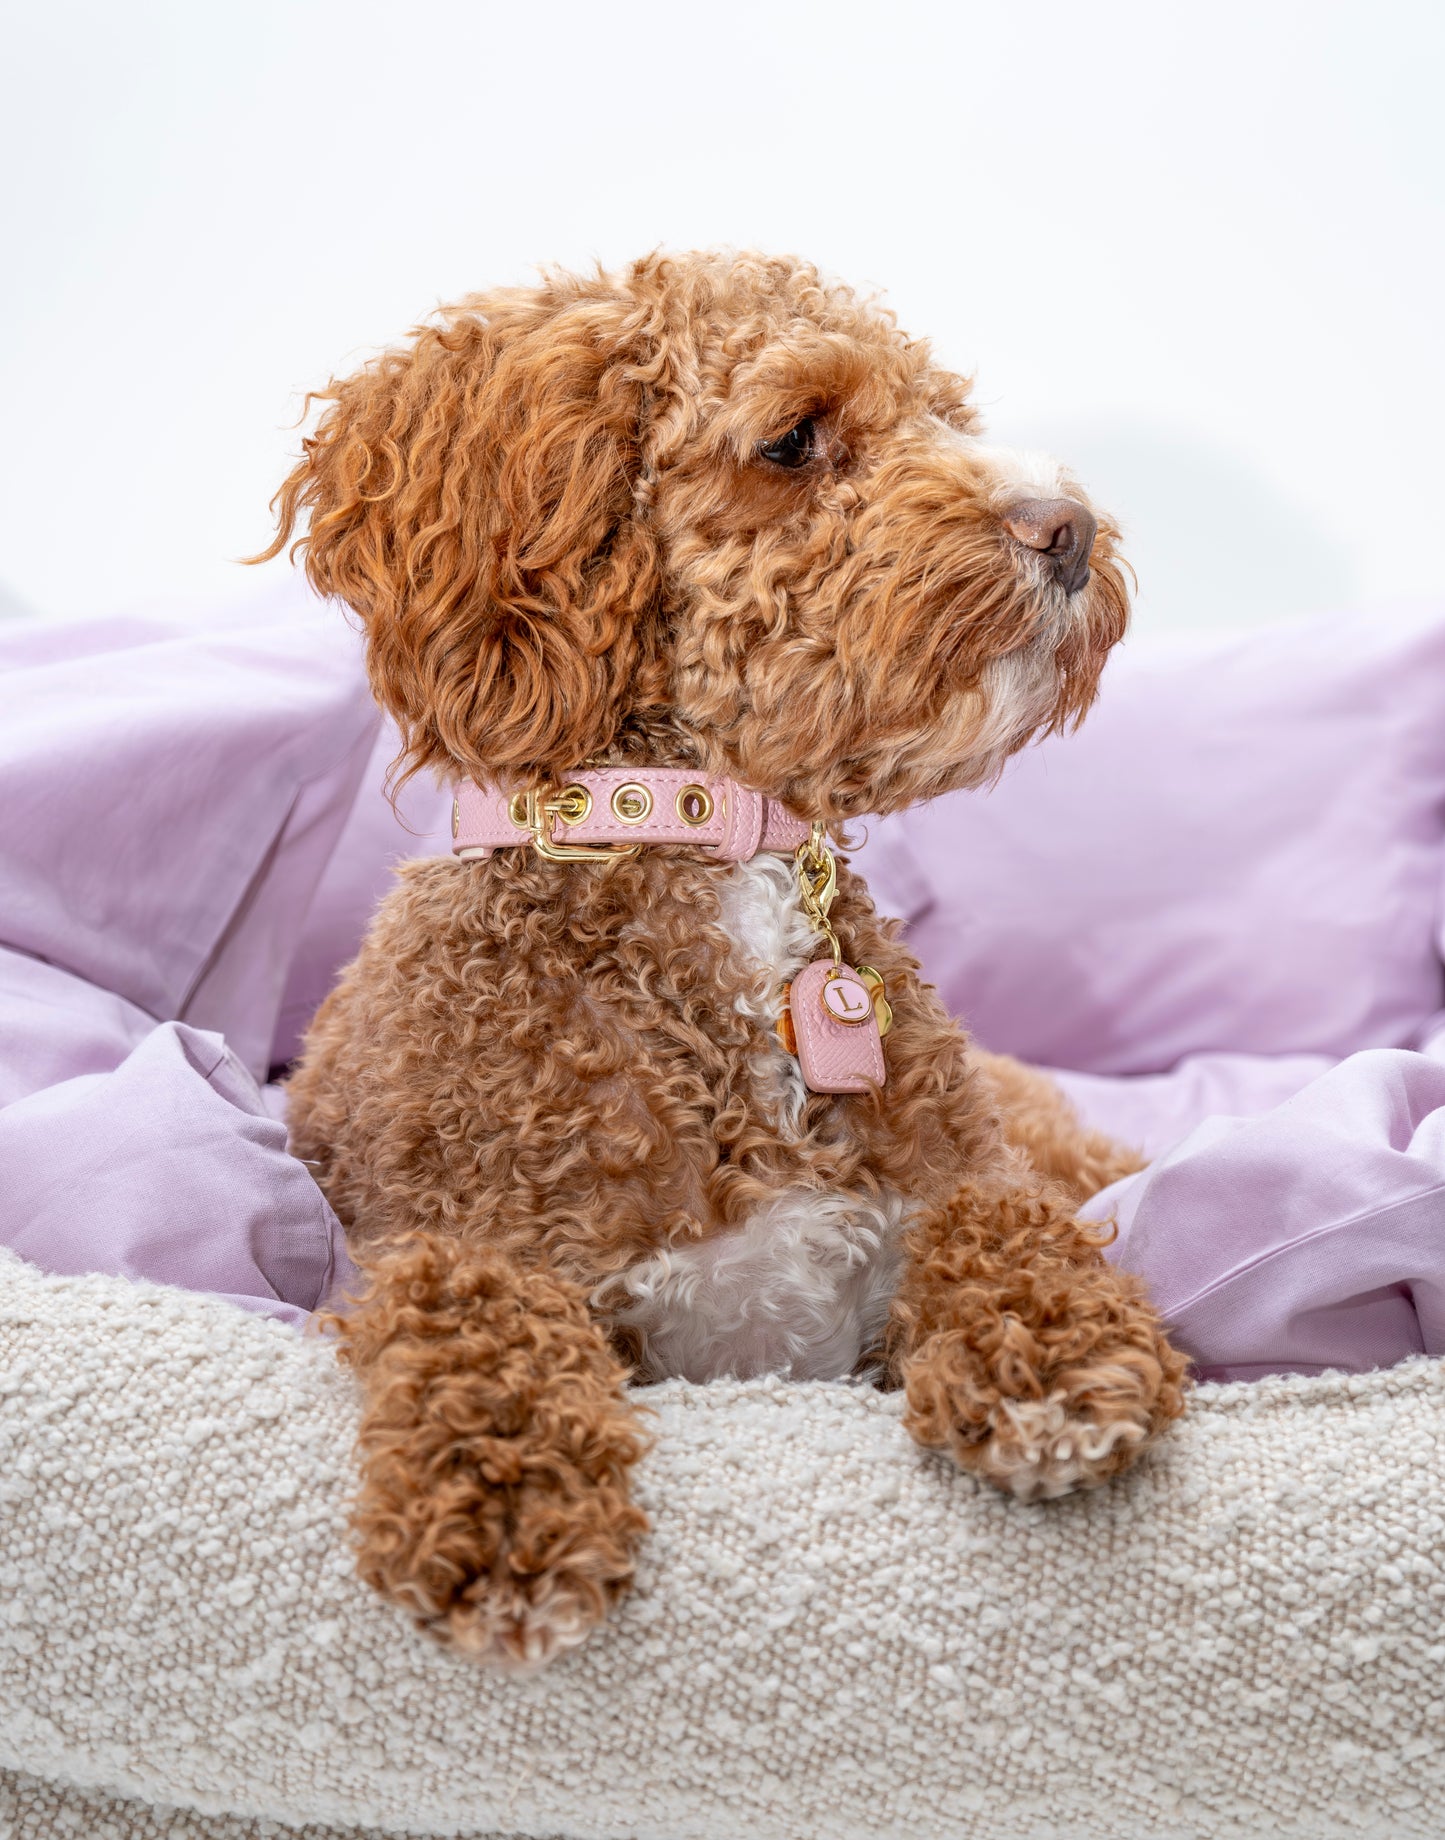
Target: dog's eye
[794, 449]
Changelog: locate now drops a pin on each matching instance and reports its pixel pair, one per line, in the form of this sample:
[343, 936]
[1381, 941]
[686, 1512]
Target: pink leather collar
[620, 806]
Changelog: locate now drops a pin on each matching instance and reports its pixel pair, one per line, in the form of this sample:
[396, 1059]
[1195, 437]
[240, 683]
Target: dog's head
[715, 510]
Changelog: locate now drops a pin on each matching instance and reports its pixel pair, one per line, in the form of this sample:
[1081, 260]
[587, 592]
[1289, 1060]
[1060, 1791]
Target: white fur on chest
[801, 1287]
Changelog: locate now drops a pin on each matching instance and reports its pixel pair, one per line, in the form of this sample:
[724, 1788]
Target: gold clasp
[568, 805]
[818, 883]
[817, 873]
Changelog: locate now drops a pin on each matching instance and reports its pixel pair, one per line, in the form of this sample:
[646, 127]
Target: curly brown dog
[716, 514]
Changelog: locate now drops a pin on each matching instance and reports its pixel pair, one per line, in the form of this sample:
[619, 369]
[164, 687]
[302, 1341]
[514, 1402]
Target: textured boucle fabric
[835, 1635]
[33, 1809]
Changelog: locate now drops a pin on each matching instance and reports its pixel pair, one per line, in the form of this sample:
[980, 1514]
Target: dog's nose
[1060, 529]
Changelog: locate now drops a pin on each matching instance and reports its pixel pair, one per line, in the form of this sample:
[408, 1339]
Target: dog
[710, 534]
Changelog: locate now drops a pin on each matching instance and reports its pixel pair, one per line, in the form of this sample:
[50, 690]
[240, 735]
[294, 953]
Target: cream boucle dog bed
[835, 1635]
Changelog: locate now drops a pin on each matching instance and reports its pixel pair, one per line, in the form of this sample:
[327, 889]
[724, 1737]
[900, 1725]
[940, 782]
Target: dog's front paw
[495, 1446]
[511, 1574]
[1090, 1425]
[1055, 1381]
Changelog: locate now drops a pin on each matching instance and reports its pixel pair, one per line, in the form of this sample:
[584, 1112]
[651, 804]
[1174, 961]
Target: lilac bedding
[1215, 913]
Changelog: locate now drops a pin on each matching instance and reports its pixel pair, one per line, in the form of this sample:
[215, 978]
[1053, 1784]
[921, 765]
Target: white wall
[1197, 250]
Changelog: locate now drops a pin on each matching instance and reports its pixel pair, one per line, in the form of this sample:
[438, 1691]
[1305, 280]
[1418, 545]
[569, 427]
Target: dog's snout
[1060, 529]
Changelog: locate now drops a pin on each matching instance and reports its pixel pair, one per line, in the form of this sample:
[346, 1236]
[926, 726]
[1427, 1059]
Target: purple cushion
[171, 796]
[54, 1025]
[1154, 1111]
[1241, 851]
[1310, 1237]
[376, 836]
[170, 1168]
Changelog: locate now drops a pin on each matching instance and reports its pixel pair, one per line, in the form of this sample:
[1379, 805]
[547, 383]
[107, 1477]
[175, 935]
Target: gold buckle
[569, 807]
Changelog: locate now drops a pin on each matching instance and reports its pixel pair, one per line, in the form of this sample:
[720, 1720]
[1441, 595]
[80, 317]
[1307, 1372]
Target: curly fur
[498, 1442]
[1022, 1353]
[547, 1099]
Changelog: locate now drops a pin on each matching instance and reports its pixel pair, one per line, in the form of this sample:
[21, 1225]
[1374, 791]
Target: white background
[1196, 250]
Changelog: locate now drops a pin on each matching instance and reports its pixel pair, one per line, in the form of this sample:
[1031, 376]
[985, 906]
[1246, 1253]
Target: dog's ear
[471, 497]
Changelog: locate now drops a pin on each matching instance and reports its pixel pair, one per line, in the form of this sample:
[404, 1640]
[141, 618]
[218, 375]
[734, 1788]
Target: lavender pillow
[1242, 850]
[54, 1025]
[172, 794]
[377, 836]
[169, 1167]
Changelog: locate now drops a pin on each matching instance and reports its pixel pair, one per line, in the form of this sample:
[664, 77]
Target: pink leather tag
[836, 1029]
